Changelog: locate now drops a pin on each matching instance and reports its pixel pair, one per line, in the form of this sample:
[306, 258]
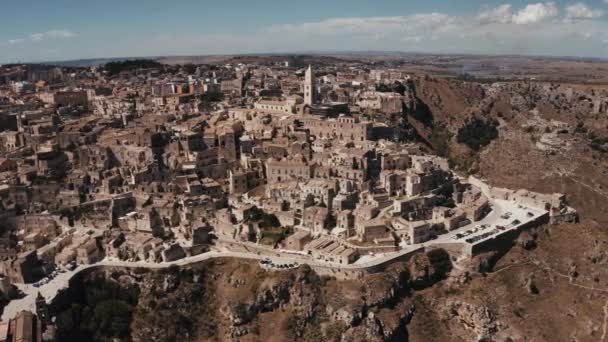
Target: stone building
[281, 106]
[297, 240]
[88, 253]
[383, 102]
[369, 230]
[315, 219]
[243, 181]
[25, 327]
[344, 128]
[296, 167]
[71, 98]
[22, 269]
[412, 231]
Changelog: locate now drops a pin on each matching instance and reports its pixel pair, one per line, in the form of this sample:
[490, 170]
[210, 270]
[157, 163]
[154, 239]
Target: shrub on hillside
[477, 133]
[114, 68]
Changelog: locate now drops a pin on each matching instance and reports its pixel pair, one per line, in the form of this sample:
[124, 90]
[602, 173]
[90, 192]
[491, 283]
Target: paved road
[61, 281]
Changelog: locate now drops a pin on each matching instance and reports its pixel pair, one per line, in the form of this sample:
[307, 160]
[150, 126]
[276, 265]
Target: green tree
[212, 96]
[477, 133]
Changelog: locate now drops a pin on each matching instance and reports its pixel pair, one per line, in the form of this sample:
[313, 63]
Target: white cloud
[581, 11]
[51, 34]
[495, 30]
[424, 24]
[501, 14]
[534, 13]
[412, 39]
[368, 25]
[42, 36]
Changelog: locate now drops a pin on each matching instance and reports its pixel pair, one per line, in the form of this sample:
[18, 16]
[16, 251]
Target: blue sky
[70, 29]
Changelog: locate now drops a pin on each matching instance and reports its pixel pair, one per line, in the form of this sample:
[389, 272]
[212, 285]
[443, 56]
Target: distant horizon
[64, 30]
[355, 53]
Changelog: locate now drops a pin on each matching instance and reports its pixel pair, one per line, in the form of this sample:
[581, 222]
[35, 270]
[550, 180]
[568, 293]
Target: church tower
[309, 87]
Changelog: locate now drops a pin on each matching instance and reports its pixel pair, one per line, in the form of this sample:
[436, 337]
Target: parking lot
[49, 277]
[268, 264]
[505, 216]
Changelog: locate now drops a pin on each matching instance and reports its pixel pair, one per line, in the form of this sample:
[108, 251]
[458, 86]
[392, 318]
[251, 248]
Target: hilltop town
[140, 164]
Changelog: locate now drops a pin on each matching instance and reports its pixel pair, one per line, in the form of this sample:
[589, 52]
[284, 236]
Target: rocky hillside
[540, 136]
[231, 300]
[557, 291]
[550, 138]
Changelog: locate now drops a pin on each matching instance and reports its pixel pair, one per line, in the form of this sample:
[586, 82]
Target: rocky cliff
[230, 299]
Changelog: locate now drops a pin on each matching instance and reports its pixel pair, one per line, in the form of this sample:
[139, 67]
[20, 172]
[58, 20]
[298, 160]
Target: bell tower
[309, 87]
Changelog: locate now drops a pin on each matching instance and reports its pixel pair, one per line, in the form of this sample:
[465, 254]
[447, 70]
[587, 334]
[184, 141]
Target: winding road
[61, 281]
